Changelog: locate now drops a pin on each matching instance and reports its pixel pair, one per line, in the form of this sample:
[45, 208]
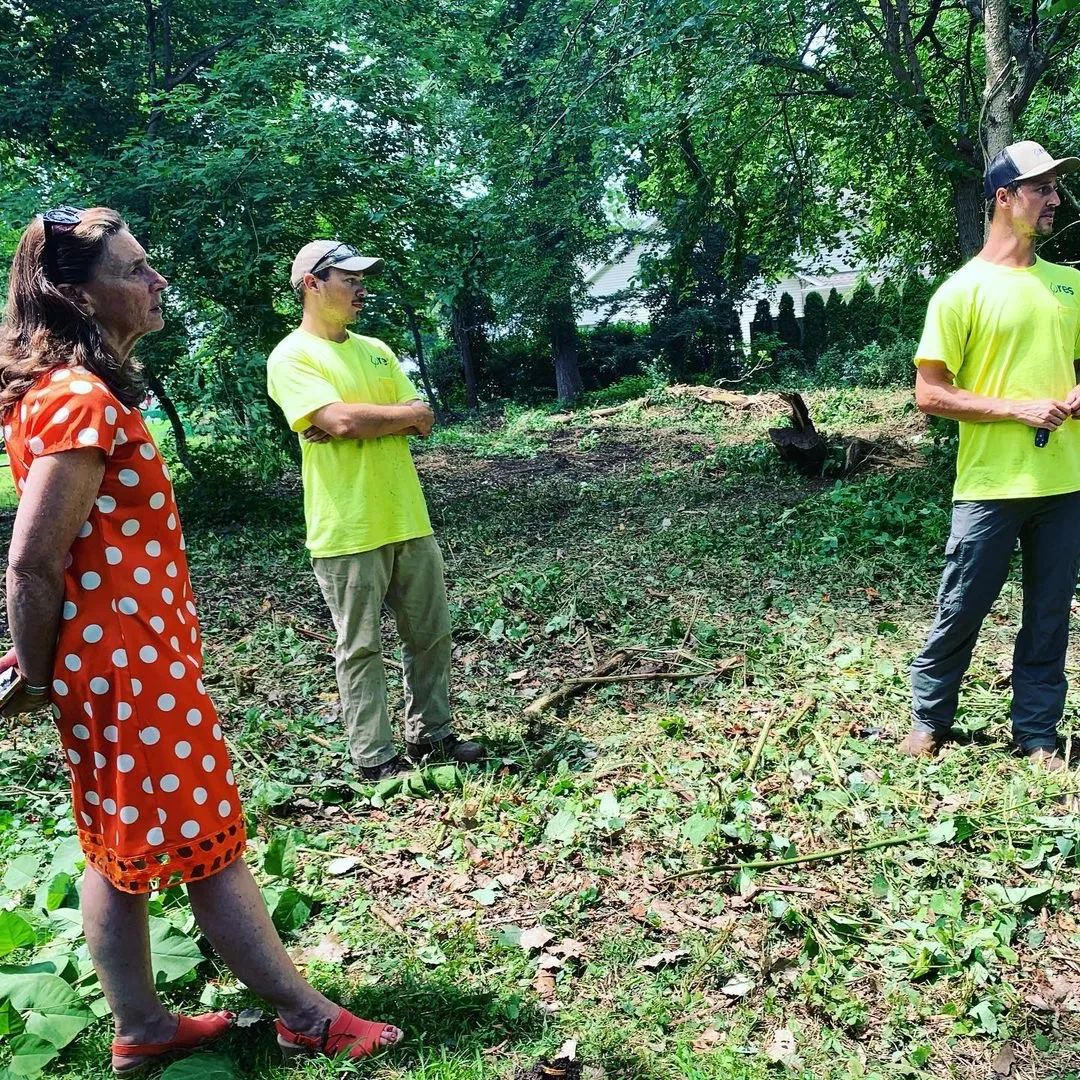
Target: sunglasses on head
[332, 256]
[61, 219]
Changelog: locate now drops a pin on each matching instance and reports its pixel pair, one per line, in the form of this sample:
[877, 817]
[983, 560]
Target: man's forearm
[955, 403]
[363, 421]
[34, 602]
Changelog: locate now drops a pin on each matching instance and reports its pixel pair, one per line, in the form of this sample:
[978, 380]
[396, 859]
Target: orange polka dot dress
[153, 790]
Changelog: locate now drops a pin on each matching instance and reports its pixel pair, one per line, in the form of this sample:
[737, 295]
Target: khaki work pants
[408, 578]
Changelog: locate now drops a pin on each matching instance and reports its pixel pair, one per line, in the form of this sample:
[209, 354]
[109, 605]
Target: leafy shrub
[627, 388]
[872, 365]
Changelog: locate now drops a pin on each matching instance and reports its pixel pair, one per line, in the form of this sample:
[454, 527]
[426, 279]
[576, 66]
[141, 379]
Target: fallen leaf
[431, 955]
[517, 676]
[476, 856]
[737, 987]
[1062, 988]
[661, 960]
[330, 950]
[536, 938]
[568, 949]
[549, 962]
[707, 1040]
[568, 1051]
[338, 867]
[782, 1045]
[248, 1017]
[1004, 1060]
[544, 984]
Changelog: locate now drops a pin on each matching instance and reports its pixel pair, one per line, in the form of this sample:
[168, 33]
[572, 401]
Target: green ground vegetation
[541, 898]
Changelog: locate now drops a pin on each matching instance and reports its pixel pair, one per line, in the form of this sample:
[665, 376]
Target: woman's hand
[22, 701]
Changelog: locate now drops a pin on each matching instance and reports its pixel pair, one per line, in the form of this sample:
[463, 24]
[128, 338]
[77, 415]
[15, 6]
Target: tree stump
[800, 445]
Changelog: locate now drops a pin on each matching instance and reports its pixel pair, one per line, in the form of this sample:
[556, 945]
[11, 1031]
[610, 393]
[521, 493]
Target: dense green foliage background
[490, 150]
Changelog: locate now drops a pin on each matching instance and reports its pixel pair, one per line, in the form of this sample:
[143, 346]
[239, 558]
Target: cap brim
[1062, 165]
[374, 266]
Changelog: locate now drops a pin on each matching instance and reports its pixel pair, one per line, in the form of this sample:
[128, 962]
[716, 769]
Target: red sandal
[191, 1032]
[346, 1035]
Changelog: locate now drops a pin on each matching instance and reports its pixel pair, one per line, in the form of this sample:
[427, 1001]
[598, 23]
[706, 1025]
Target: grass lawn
[608, 876]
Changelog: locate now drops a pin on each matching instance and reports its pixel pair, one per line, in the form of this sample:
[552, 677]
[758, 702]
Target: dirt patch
[616, 454]
[560, 1069]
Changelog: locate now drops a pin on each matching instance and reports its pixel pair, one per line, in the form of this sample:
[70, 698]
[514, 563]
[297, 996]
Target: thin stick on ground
[573, 686]
[830, 760]
[644, 676]
[721, 667]
[795, 860]
[767, 727]
[853, 849]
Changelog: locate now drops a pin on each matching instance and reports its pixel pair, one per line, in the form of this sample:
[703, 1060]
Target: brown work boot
[1047, 760]
[919, 744]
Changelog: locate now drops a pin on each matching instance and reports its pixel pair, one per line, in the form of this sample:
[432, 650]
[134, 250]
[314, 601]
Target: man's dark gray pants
[980, 545]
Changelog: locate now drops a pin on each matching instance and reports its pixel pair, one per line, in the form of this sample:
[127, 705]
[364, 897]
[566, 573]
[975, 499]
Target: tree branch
[831, 86]
[1058, 32]
[928, 23]
[200, 59]
[151, 47]
[166, 39]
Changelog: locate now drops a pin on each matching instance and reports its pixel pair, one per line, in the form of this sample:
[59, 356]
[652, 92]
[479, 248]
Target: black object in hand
[11, 682]
[1042, 436]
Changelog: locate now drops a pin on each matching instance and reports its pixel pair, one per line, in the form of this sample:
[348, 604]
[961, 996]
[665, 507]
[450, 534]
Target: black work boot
[394, 767]
[449, 749]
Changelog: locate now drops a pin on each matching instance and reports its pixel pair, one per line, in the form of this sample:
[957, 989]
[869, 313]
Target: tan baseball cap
[320, 254]
[1023, 161]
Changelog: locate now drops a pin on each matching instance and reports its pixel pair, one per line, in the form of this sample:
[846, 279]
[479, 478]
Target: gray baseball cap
[320, 254]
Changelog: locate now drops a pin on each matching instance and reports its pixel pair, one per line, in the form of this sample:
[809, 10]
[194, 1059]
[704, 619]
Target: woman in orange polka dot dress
[105, 628]
[154, 793]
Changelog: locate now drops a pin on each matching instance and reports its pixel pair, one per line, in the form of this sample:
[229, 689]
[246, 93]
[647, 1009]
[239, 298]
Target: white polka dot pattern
[129, 624]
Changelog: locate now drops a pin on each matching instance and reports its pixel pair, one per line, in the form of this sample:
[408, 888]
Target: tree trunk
[179, 435]
[969, 208]
[997, 117]
[418, 345]
[564, 348]
[459, 330]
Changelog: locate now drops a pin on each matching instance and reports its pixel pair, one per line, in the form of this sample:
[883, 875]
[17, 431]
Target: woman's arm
[56, 500]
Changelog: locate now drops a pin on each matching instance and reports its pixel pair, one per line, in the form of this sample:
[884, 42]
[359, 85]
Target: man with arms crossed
[998, 354]
[368, 530]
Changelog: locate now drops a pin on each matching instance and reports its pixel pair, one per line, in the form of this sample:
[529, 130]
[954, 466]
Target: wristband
[35, 691]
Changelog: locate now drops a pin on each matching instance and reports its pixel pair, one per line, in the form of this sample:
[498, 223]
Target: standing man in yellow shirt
[999, 354]
[368, 530]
